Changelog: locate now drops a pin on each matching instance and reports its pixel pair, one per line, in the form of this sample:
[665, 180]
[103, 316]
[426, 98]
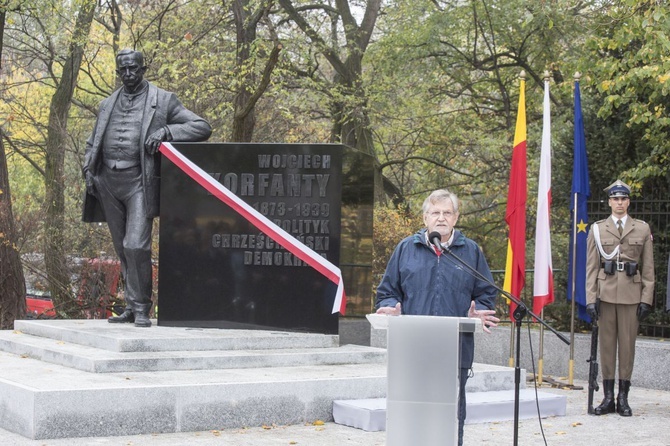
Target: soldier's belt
[611, 267]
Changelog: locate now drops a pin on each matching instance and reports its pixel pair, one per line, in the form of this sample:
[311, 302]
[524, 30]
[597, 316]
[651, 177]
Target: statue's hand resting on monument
[154, 140]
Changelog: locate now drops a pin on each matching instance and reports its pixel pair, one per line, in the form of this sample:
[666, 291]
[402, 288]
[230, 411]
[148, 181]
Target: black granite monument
[217, 270]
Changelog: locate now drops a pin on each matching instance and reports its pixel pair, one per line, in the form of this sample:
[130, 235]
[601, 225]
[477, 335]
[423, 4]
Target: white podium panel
[423, 374]
[421, 423]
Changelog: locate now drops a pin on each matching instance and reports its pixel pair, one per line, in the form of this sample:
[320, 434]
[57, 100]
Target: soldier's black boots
[622, 406]
[607, 405]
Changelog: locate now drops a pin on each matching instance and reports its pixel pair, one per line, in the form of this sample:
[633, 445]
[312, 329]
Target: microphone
[436, 240]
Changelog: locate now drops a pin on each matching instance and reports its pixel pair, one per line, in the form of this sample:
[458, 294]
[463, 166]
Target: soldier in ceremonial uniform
[620, 276]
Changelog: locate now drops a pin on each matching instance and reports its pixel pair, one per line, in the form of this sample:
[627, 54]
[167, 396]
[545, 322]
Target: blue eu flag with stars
[579, 230]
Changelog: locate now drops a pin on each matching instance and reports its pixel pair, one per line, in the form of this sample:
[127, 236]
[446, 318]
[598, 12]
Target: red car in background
[39, 305]
[98, 289]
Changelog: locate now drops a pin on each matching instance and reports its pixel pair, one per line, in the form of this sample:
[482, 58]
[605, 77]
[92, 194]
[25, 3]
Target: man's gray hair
[439, 196]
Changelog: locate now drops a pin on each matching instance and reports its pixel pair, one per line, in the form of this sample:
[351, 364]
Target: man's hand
[643, 311]
[90, 185]
[155, 139]
[391, 311]
[592, 311]
[487, 316]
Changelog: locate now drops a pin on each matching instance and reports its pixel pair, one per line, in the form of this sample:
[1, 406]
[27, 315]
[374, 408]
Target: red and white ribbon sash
[261, 222]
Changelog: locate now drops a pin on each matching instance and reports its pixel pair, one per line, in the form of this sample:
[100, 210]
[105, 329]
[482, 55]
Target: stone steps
[41, 400]
[97, 360]
[100, 334]
[81, 378]
[89, 378]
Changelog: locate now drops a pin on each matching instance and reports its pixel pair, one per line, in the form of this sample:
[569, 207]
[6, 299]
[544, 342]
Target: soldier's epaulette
[639, 221]
[601, 221]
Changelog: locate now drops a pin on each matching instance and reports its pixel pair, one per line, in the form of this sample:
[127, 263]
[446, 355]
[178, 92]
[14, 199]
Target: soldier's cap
[618, 189]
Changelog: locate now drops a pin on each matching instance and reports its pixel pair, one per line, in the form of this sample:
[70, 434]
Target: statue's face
[130, 70]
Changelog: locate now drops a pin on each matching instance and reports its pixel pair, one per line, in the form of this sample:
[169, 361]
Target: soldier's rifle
[593, 363]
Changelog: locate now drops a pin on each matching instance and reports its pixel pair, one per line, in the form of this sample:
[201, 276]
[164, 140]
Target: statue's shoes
[126, 316]
[142, 320]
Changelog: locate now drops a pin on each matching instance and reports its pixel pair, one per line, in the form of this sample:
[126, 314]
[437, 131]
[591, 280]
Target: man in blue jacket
[419, 280]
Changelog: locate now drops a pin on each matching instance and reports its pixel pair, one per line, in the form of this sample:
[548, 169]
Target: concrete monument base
[81, 378]
[89, 378]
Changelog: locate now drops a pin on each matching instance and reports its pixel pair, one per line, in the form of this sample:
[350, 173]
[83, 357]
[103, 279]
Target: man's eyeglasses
[436, 214]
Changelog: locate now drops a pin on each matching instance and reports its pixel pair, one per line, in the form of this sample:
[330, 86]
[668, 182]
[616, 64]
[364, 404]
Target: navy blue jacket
[427, 284]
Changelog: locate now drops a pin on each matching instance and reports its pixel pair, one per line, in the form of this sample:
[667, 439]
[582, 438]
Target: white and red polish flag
[261, 222]
[543, 281]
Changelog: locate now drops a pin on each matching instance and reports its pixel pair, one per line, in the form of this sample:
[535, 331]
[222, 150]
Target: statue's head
[130, 68]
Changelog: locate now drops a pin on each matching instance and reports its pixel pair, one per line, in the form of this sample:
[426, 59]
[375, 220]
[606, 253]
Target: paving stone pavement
[648, 426]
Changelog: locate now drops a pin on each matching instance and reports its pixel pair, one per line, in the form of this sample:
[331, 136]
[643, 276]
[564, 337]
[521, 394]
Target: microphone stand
[518, 314]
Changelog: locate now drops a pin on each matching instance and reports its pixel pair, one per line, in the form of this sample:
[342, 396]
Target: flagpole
[580, 191]
[545, 123]
[540, 361]
[515, 213]
[571, 363]
[510, 361]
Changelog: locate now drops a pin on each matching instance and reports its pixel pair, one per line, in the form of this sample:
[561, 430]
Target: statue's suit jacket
[162, 109]
[635, 246]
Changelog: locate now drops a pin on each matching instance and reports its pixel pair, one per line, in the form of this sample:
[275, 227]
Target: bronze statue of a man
[122, 172]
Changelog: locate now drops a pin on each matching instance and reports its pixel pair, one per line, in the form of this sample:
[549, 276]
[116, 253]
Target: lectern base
[423, 378]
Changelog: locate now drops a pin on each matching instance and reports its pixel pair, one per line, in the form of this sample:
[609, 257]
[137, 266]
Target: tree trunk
[249, 90]
[351, 123]
[12, 282]
[54, 249]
